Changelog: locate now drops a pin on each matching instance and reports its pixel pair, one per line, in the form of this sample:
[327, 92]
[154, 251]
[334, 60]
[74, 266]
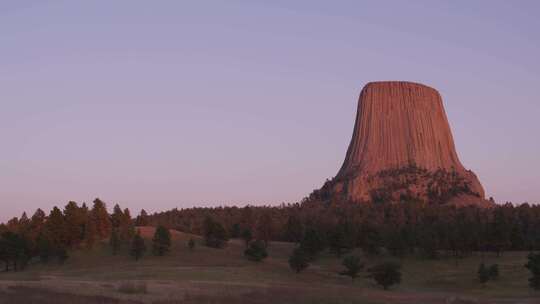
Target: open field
[207, 275]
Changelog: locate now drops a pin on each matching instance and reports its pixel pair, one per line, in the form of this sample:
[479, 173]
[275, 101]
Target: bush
[483, 273]
[493, 272]
[533, 265]
[215, 235]
[133, 287]
[353, 266]
[191, 244]
[256, 251]
[386, 274]
[299, 260]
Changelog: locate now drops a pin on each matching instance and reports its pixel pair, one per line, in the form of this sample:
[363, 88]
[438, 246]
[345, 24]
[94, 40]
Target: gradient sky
[196, 103]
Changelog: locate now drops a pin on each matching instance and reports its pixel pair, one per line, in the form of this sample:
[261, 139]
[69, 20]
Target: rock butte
[402, 146]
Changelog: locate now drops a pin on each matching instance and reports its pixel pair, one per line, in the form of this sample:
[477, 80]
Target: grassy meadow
[206, 275]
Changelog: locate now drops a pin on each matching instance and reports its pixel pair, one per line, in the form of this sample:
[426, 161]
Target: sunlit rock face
[402, 149]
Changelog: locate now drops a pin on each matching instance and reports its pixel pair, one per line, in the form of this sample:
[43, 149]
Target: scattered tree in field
[191, 244]
[299, 260]
[256, 251]
[533, 265]
[353, 266]
[247, 236]
[494, 272]
[114, 241]
[483, 273]
[138, 247]
[386, 274]
[161, 242]
[215, 235]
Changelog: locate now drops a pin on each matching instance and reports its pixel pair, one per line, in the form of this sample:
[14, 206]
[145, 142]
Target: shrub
[386, 274]
[533, 265]
[483, 273]
[133, 287]
[353, 266]
[299, 260]
[256, 251]
[493, 272]
[214, 234]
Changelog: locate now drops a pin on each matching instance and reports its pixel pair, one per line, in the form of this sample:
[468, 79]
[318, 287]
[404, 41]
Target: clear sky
[163, 104]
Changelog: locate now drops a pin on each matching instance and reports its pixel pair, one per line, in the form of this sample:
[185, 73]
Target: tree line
[397, 229]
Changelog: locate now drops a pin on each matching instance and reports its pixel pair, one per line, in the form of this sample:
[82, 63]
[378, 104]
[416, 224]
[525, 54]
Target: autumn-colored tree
[57, 228]
[75, 218]
[100, 219]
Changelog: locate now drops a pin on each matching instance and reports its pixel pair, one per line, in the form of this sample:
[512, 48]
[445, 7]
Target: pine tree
[56, 226]
[161, 242]
[386, 274]
[294, 229]
[127, 228]
[256, 251]
[353, 266]
[214, 234]
[483, 273]
[114, 241]
[138, 247]
[142, 219]
[533, 265]
[100, 219]
[75, 220]
[299, 260]
[247, 236]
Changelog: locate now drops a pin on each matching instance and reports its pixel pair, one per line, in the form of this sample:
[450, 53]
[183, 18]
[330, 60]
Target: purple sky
[198, 103]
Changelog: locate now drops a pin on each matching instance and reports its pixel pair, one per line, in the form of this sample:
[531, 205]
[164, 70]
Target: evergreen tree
[353, 266]
[483, 273]
[75, 219]
[138, 247]
[256, 251]
[533, 265]
[100, 219]
[293, 229]
[142, 219]
[247, 236]
[386, 274]
[161, 242]
[44, 246]
[265, 228]
[114, 241]
[57, 228]
[214, 234]
[299, 260]
[312, 243]
[494, 272]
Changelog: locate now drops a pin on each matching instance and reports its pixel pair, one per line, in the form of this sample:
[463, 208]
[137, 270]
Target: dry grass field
[207, 275]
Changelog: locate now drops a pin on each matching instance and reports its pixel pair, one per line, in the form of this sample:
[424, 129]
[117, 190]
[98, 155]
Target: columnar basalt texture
[402, 146]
